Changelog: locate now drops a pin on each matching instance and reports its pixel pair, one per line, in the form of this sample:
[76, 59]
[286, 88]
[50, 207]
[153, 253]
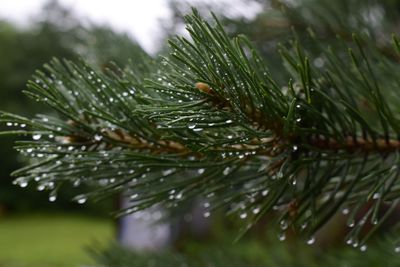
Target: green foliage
[50, 240]
[211, 120]
[56, 32]
[250, 254]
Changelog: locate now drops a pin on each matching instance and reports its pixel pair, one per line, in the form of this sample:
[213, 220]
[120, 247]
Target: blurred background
[36, 232]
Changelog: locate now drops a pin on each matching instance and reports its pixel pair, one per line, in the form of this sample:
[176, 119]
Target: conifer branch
[211, 120]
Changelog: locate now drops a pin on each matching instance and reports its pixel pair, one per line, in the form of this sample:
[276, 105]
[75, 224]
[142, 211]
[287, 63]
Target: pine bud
[204, 87]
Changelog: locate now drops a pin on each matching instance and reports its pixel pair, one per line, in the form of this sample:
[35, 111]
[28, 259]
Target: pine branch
[210, 120]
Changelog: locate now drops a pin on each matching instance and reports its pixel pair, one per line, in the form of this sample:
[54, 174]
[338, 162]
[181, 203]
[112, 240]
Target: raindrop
[282, 237]
[256, 210]
[397, 249]
[81, 199]
[376, 196]
[98, 137]
[345, 211]
[284, 225]
[77, 183]
[351, 223]
[200, 171]
[52, 197]
[229, 121]
[41, 187]
[226, 171]
[206, 214]
[319, 62]
[363, 248]
[9, 123]
[198, 129]
[192, 126]
[265, 192]
[243, 215]
[36, 136]
[23, 183]
[311, 240]
[167, 172]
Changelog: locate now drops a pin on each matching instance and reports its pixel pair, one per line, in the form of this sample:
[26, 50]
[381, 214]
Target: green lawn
[50, 240]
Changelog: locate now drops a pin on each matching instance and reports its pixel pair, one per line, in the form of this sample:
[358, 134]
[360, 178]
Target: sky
[138, 18]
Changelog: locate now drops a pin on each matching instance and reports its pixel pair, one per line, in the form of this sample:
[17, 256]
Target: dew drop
[265, 192]
[200, 171]
[52, 197]
[256, 210]
[363, 248]
[243, 215]
[345, 211]
[226, 171]
[376, 196]
[206, 214]
[284, 225]
[179, 195]
[41, 187]
[167, 172]
[311, 240]
[282, 237]
[23, 184]
[397, 249]
[192, 126]
[36, 136]
[351, 223]
[81, 199]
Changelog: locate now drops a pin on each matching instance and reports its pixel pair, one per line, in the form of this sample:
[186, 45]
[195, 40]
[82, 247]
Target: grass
[46, 240]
